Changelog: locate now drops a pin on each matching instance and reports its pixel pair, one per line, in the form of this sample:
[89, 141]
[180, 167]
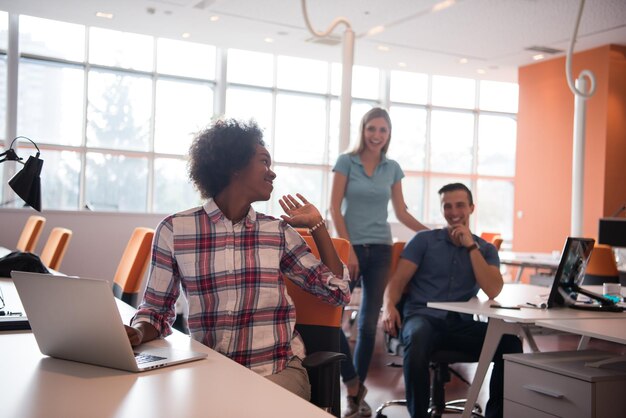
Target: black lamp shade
[27, 183]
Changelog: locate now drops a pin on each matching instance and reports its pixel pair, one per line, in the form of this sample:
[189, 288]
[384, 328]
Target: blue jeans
[422, 335]
[374, 262]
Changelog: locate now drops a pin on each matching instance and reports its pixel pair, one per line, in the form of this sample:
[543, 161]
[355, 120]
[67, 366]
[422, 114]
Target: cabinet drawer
[515, 410]
[552, 393]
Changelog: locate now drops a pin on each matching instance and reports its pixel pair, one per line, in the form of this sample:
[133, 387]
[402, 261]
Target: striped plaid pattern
[231, 276]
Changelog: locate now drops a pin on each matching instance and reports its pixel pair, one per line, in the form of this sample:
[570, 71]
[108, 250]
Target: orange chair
[601, 267]
[30, 234]
[319, 310]
[303, 231]
[497, 242]
[55, 247]
[132, 267]
[319, 325]
[493, 237]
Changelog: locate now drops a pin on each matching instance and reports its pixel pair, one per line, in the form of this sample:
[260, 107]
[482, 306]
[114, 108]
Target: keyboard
[146, 358]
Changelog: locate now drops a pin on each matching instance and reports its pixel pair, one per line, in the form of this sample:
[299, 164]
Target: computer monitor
[612, 231]
[570, 274]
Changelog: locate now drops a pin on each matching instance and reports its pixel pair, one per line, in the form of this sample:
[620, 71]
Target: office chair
[493, 237]
[30, 234]
[55, 247]
[439, 365]
[303, 231]
[132, 267]
[601, 267]
[319, 325]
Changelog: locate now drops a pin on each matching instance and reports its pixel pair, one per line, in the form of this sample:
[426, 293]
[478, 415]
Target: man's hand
[391, 320]
[299, 214]
[135, 336]
[461, 235]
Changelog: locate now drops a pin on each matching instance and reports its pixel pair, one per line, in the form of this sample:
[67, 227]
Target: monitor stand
[604, 304]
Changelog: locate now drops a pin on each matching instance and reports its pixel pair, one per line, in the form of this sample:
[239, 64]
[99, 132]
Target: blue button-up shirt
[444, 271]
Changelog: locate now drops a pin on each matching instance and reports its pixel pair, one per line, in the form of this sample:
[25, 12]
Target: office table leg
[518, 276]
[530, 339]
[582, 344]
[495, 330]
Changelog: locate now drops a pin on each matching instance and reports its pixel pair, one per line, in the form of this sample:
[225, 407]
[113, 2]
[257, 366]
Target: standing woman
[364, 182]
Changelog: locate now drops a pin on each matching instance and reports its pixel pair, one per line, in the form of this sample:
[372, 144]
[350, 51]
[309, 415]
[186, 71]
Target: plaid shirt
[232, 276]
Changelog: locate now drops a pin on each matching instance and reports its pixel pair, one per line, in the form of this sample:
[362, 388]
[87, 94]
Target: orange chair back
[303, 231]
[134, 262]
[497, 242]
[493, 237]
[30, 234]
[55, 247]
[602, 261]
[309, 309]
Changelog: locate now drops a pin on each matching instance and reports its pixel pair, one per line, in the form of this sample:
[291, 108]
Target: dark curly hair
[219, 151]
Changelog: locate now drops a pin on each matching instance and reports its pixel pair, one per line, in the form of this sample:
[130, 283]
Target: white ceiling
[492, 34]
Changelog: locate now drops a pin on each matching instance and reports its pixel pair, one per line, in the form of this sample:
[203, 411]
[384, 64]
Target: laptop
[569, 277]
[78, 319]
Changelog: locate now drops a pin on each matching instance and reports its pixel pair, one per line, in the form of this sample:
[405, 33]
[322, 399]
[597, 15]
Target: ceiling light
[402, 64]
[376, 30]
[463, 61]
[443, 5]
[269, 40]
[214, 18]
[383, 48]
[481, 71]
[186, 35]
[538, 57]
[104, 15]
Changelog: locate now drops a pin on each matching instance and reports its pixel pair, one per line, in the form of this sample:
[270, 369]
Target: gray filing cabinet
[559, 384]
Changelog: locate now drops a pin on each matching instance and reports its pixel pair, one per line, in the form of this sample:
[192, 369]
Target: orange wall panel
[543, 178]
[615, 191]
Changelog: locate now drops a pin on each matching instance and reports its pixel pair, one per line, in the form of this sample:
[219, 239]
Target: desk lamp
[26, 183]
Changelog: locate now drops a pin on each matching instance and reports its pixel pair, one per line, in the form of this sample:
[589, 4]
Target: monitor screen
[571, 271]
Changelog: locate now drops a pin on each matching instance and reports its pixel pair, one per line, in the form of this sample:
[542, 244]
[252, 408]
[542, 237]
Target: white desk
[614, 331]
[38, 386]
[510, 321]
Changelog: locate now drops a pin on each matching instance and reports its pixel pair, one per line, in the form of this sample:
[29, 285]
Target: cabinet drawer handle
[544, 391]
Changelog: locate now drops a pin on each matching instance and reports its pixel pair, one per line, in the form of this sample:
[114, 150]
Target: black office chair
[439, 365]
[440, 375]
[319, 325]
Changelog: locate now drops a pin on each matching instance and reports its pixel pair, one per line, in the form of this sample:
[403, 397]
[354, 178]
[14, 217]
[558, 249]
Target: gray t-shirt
[366, 198]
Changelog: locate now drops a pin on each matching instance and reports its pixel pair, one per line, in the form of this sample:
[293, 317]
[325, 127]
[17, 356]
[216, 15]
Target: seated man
[231, 261]
[444, 265]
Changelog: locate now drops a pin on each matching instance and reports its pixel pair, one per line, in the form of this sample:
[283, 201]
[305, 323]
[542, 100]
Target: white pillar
[578, 159]
[346, 89]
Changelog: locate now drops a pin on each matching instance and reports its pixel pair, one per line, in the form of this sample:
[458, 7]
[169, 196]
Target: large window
[465, 132]
[114, 114]
[113, 117]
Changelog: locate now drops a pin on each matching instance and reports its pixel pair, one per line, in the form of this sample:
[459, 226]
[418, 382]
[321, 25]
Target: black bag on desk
[21, 261]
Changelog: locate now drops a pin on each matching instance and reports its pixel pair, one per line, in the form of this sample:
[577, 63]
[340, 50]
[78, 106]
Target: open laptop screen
[571, 271]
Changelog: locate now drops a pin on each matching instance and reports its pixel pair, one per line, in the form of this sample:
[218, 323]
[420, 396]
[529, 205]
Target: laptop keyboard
[146, 358]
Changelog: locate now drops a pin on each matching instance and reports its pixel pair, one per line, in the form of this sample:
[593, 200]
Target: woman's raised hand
[299, 213]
